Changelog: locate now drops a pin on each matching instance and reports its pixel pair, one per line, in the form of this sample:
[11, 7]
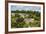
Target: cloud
[19, 7]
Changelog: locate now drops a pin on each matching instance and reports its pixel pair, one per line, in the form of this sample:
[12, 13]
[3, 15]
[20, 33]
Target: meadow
[25, 19]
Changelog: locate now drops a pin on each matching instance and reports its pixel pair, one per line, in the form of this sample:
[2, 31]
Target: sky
[19, 7]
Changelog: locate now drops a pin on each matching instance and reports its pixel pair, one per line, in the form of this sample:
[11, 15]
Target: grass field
[25, 19]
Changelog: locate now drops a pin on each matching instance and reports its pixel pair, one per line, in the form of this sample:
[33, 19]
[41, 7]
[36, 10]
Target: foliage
[18, 22]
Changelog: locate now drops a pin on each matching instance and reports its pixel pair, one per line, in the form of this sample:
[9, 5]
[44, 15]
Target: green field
[25, 19]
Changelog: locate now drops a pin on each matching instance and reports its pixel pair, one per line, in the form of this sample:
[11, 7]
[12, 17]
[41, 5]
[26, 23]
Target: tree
[17, 15]
[19, 19]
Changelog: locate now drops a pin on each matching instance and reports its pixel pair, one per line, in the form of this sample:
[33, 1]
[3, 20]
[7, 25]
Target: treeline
[37, 13]
[24, 11]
